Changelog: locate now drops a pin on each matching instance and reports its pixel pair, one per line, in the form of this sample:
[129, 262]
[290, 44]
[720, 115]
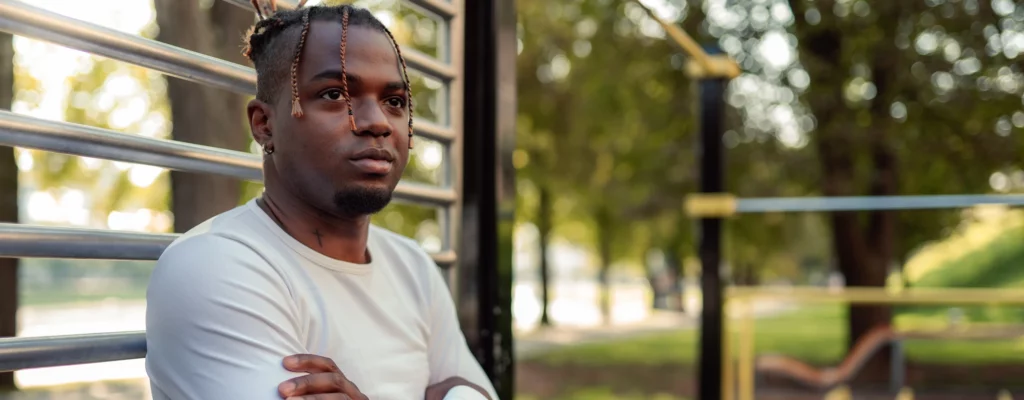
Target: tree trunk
[657, 295]
[8, 209]
[745, 274]
[204, 115]
[544, 226]
[604, 249]
[674, 262]
[657, 281]
[862, 250]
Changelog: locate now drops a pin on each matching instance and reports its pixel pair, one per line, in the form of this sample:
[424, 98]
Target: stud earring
[268, 148]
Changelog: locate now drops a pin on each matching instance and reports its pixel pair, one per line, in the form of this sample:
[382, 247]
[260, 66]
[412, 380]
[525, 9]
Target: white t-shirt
[230, 299]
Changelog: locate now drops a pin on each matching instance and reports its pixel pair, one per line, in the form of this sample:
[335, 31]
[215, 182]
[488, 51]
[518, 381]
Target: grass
[814, 334]
[997, 264]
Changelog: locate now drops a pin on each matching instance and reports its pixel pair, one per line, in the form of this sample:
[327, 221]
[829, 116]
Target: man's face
[317, 156]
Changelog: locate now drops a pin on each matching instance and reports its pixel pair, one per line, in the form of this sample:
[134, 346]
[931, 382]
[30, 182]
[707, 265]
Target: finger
[320, 383]
[310, 363]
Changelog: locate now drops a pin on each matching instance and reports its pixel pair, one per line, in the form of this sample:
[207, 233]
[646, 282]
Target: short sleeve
[449, 353]
[219, 322]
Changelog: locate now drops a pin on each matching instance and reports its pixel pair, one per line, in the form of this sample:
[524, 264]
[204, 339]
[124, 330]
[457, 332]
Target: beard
[358, 201]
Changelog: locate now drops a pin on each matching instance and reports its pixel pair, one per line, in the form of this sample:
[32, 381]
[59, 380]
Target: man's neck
[333, 236]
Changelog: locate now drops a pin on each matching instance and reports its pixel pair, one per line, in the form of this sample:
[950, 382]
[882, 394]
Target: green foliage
[606, 137]
[607, 118]
[92, 100]
[996, 265]
[814, 334]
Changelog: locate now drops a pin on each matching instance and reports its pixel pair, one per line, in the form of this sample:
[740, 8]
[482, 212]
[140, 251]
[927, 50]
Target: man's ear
[259, 121]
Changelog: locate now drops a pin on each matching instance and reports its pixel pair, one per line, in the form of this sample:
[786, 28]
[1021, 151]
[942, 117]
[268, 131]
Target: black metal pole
[712, 180]
[8, 209]
[488, 208]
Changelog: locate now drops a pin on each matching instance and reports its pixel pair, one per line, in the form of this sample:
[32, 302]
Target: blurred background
[838, 97]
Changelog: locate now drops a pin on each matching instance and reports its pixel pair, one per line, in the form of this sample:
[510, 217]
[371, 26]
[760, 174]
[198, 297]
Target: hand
[438, 390]
[324, 382]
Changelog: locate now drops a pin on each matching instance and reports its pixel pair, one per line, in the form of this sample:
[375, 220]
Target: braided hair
[267, 51]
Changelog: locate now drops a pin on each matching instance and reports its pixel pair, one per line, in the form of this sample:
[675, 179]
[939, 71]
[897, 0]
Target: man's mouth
[375, 161]
[373, 166]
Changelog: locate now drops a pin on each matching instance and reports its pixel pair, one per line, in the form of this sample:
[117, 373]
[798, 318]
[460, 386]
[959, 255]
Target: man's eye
[333, 95]
[396, 102]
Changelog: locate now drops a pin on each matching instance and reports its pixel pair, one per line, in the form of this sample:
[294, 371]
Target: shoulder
[401, 246]
[224, 251]
[411, 263]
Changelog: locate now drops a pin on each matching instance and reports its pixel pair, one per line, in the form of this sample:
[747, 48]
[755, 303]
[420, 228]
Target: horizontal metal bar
[19, 18]
[444, 9]
[719, 205]
[428, 65]
[86, 141]
[40, 352]
[710, 205]
[875, 295]
[34, 241]
[246, 4]
[444, 258]
[82, 140]
[434, 131]
[428, 195]
[820, 204]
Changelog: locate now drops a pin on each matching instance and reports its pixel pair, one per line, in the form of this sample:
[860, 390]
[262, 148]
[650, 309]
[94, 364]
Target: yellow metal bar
[840, 393]
[710, 205]
[710, 66]
[864, 295]
[746, 352]
[727, 365]
[905, 393]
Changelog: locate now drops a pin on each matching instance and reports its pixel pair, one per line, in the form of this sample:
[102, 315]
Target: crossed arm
[325, 381]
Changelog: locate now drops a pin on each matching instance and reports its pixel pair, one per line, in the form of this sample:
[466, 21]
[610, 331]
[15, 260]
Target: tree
[892, 112]
[886, 98]
[200, 114]
[599, 138]
[8, 208]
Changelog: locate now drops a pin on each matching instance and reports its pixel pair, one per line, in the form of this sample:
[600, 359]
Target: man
[295, 294]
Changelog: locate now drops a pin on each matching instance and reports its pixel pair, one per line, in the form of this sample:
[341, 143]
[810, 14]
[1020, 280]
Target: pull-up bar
[703, 65]
[713, 73]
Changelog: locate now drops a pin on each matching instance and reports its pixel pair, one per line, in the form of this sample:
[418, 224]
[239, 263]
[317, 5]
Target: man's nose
[370, 119]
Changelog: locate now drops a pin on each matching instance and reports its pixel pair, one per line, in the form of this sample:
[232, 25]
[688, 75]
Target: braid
[405, 77]
[344, 72]
[296, 107]
[264, 10]
[258, 8]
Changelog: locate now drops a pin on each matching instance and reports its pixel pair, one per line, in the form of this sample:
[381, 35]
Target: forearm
[457, 388]
[463, 392]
